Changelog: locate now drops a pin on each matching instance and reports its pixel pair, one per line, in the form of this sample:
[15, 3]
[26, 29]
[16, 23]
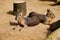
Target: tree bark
[19, 7]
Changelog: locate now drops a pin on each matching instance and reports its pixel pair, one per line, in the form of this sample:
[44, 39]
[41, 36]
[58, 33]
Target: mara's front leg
[22, 25]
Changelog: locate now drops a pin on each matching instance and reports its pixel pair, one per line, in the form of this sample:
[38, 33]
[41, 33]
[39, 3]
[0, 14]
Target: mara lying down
[34, 18]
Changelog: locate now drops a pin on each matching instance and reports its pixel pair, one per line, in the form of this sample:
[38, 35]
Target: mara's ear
[20, 14]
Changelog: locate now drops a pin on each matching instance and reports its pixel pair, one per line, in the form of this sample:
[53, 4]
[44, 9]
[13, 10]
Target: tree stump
[19, 7]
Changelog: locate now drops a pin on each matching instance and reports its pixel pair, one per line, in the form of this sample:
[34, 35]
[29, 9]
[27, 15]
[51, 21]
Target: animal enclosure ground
[37, 32]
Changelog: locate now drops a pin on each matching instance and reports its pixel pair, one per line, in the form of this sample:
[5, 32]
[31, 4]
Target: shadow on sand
[55, 4]
[11, 13]
[13, 24]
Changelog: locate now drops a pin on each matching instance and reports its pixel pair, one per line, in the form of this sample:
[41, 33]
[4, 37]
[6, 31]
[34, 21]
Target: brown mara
[34, 18]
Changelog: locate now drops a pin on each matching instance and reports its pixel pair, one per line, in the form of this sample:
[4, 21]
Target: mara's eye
[19, 14]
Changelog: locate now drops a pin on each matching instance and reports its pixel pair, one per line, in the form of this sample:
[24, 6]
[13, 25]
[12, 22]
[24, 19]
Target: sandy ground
[37, 32]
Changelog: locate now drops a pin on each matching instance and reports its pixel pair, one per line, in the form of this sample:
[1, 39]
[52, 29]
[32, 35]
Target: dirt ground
[37, 32]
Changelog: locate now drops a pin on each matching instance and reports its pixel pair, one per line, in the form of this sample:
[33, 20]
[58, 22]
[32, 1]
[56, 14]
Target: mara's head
[50, 14]
[18, 15]
[19, 18]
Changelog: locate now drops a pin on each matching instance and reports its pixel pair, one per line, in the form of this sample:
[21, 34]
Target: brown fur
[34, 18]
[46, 19]
[30, 21]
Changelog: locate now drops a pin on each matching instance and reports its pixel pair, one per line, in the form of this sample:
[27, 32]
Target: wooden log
[19, 7]
[56, 1]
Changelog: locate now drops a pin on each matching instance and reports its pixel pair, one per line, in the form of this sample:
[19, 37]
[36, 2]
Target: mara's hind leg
[48, 21]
